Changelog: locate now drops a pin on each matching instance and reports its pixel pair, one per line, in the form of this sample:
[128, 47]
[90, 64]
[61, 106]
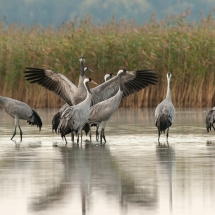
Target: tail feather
[86, 128]
[56, 122]
[37, 120]
[163, 122]
[64, 128]
[56, 118]
[210, 120]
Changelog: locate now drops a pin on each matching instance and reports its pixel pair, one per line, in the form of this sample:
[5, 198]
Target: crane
[165, 112]
[75, 117]
[106, 78]
[79, 95]
[19, 110]
[210, 119]
[102, 111]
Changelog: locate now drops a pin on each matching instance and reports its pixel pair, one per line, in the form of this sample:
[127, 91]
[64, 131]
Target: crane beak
[94, 82]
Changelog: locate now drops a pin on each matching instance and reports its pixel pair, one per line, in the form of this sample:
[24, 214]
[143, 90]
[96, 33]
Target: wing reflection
[94, 172]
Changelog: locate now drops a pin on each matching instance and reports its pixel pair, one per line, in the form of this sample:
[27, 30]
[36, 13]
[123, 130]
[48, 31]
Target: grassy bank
[170, 45]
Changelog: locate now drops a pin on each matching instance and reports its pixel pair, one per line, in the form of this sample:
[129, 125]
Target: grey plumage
[210, 119]
[63, 87]
[75, 117]
[165, 112]
[56, 118]
[58, 83]
[79, 96]
[133, 81]
[102, 111]
[88, 127]
[20, 110]
[55, 82]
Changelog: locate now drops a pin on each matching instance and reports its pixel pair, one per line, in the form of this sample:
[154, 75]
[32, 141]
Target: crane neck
[89, 94]
[87, 88]
[168, 93]
[82, 73]
[121, 86]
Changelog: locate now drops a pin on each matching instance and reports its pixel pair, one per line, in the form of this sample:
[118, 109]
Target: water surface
[131, 174]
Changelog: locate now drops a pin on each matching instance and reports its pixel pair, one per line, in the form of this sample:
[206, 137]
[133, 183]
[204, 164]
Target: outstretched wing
[52, 81]
[133, 82]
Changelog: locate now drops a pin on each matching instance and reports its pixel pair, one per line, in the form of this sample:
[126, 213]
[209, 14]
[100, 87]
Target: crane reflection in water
[94, 173]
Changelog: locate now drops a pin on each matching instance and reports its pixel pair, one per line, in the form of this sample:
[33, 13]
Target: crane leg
[159, 133]
[104, 135]
[65, 140]
[14, 133]
[81, 137]
[97, 132]
[90, 133]
[213, 127]
[20, 132]
[78, 138]
[72, 136]
[101, 136]
[167, 135]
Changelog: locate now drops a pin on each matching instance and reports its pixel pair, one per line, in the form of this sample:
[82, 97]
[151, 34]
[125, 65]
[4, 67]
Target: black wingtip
[86, 128]
[37, 120]
[56, 122]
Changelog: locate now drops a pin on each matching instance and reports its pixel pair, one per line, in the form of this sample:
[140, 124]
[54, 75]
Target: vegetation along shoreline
[187, 50]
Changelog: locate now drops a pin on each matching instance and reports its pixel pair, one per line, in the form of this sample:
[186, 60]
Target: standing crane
[75, 117]
[165, 112]
[102, 111]
[106, 78]
[19, 110]
[210, 119]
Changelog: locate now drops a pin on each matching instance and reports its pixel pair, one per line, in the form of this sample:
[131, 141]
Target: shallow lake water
[130, 174]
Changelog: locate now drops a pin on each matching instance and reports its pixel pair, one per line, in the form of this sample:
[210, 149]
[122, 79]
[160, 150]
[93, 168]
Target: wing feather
[134, 81]
[52, 81]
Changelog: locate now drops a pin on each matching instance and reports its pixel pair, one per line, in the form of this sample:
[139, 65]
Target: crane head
[86, 68]
[121, 71]
[82, 59]
[90, 80]
[108, 76]
[169, 75]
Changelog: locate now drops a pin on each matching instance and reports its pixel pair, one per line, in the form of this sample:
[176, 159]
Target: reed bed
[187, 50]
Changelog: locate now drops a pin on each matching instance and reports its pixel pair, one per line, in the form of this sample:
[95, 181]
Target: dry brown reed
[170, 45]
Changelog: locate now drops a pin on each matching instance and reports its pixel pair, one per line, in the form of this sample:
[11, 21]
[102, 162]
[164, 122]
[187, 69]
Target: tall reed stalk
[187, 50]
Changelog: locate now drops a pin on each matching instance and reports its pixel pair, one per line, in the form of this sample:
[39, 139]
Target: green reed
[173, 45]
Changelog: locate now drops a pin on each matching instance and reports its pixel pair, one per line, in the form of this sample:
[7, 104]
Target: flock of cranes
[86, 107]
